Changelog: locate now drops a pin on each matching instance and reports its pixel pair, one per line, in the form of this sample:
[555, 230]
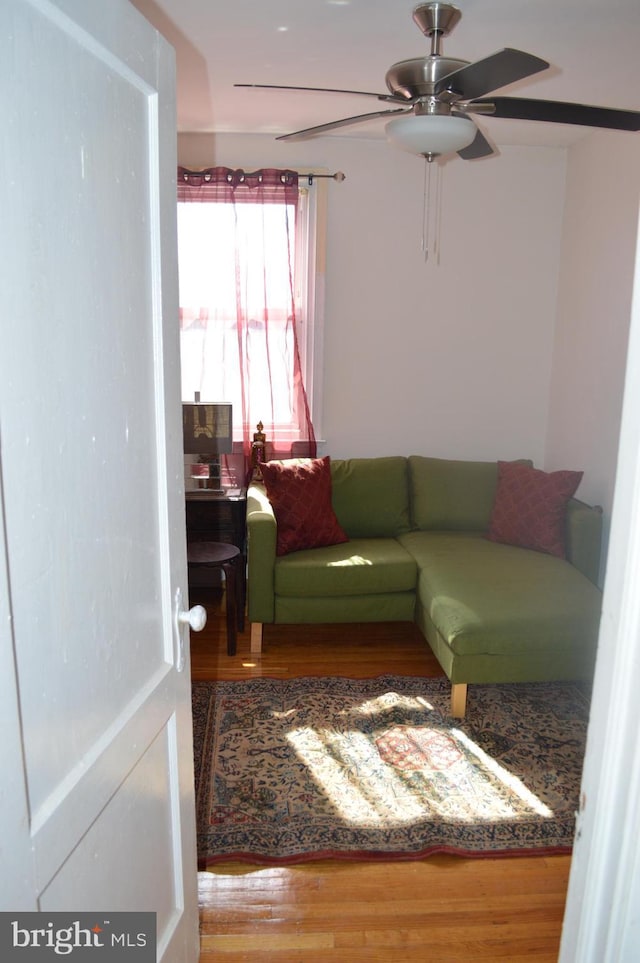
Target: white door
[97, 788]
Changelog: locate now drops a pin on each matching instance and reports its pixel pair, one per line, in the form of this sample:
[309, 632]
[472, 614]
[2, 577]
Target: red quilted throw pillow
[300, 493]
[530, 507]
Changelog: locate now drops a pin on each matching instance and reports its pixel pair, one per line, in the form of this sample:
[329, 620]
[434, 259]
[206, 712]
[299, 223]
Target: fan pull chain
[438, 219]
[426, 190]
[431, 209]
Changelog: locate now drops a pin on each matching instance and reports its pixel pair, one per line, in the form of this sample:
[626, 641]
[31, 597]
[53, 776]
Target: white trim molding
[602, 918]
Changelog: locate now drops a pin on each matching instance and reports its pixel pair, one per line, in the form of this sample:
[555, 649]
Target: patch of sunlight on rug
[400, 789]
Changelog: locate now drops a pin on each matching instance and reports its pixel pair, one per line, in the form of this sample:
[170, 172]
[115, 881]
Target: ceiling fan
[434, 96]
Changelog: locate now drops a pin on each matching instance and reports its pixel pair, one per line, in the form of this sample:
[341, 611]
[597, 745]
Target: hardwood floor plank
[444, 909]
[436, 911]
[269, 942]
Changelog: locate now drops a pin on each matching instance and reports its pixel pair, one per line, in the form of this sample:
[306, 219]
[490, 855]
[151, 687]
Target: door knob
[195, 618]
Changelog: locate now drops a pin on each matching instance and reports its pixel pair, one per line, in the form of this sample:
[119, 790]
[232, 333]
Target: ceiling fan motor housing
[417, 77]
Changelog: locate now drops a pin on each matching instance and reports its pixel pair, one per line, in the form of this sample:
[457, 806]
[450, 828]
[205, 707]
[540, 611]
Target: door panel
[92, 460]
[140, 817]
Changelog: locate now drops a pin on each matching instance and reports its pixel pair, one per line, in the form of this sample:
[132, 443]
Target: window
[248, 291]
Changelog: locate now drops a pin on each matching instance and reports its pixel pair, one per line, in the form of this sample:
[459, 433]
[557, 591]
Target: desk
[212, 517]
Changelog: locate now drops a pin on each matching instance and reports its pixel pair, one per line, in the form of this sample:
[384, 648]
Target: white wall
[594, 305]
[451, 360]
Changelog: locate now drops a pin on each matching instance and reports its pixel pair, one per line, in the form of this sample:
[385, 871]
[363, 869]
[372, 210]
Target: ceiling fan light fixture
[432, 135]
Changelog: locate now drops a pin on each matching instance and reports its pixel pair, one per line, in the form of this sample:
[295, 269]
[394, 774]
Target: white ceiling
[592, 45]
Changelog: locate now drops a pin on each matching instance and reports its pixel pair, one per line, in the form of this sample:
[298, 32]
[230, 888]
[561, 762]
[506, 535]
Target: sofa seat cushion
[488, 598]
[362, 566]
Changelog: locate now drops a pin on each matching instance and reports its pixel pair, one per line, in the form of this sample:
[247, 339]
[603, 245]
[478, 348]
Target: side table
[228, 559]
[215, 517]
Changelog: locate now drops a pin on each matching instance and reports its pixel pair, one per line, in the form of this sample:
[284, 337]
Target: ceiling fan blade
[328, 90]
[560, 112]
[345, 122]
[479, 147]
[499, 69]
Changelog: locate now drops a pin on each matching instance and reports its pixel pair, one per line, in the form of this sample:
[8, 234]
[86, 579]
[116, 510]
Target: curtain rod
[338, 176]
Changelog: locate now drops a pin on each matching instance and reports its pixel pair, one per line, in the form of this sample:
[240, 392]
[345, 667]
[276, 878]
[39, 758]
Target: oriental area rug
[317, 768]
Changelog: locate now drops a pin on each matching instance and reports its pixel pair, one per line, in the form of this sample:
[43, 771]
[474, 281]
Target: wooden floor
[440, 909]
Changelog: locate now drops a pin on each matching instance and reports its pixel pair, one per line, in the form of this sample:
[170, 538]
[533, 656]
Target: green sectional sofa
[418, 550]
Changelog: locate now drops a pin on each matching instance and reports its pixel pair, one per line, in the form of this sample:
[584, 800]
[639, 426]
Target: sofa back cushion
[584, 538]
[452, 495]
[371, 496]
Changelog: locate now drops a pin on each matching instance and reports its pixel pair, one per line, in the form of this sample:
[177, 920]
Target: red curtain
[238, 317]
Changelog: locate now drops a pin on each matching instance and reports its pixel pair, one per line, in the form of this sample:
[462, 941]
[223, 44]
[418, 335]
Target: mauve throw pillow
[300, 493]
[530, 507]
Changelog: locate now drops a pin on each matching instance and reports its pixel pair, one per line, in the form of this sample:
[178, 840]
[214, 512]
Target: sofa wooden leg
[256, 637]
[459, 700]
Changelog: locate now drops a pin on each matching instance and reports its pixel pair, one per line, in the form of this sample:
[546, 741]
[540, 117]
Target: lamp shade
[430, 133]
[207, 429]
